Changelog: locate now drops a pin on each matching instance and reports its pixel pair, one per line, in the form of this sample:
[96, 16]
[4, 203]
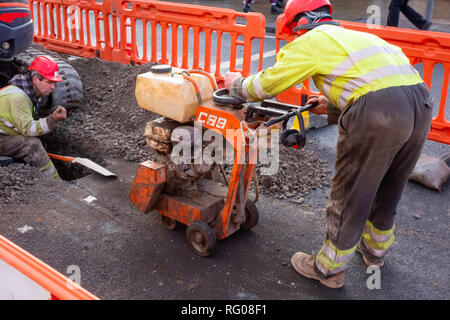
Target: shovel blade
[93, 166]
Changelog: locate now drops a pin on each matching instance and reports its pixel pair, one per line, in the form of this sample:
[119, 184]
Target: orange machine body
[221, 207]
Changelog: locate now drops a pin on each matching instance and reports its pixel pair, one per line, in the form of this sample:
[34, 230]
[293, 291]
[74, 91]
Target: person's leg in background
[247, 7]
[275, 7]
[395, 7]
[415, 18]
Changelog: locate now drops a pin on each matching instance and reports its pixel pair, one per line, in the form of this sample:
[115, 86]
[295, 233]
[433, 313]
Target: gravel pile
[17, 181]
[300, 172]
[109, 123]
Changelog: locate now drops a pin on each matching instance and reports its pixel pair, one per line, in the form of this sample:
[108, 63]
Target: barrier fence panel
[421, 47]
[33, 278]
[139, 32]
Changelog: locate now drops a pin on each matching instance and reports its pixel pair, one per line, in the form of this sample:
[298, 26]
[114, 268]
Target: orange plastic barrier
[45, 276]
[429, 48]
[139, 32]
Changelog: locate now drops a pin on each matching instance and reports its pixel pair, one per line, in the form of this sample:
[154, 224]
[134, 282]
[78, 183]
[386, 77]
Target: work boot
[426, 25]
[303, 263]
[280, 3]
[274, 9]
[247, 8]
[369, 259]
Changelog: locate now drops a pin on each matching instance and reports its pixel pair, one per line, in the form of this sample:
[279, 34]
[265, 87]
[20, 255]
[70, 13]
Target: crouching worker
[19, 125]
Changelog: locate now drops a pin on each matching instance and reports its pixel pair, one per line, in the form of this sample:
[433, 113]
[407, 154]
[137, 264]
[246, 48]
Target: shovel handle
[62, 158]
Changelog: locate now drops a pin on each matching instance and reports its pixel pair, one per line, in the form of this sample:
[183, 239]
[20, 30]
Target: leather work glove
[229, 79]
[59, 114]
[293, 139]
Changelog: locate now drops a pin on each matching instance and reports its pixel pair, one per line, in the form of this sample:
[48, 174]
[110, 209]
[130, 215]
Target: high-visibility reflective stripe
[8, 124]
[378, 249]
[378, 235]
[334, 256]
[46, 167]
[327, 271]
[377, 241]
[365, 53]
[331, 260]
[244, 88]
[50, 169]
[349, 63]
[33, 128]
[376, 252]
[44, 125]
[10, 90]
[371, 77]
[258, 88]
[55, 174]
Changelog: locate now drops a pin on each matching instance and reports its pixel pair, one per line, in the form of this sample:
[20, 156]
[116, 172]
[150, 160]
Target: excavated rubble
[18, 183]
[109, 125]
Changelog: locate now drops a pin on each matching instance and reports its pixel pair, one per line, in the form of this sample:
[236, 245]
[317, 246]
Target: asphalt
[126, 255]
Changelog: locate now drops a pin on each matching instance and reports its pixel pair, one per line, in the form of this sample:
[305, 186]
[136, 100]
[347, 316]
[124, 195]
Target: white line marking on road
[268, 54]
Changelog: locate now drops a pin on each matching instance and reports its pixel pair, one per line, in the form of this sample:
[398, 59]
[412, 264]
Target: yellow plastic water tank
[166, 92]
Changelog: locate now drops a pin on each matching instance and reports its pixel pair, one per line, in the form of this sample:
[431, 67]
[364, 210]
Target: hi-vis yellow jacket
[16, 115]
[344, 65]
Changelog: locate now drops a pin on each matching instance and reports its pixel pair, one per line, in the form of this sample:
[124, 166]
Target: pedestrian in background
[397, 6]
[276, 6]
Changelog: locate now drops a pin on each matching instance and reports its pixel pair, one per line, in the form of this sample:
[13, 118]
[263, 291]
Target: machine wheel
[251, 215]
[169, 223]
[201, 238]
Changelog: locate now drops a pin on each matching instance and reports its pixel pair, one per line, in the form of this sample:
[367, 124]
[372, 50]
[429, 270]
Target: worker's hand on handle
[229, 79]
[322, 104]
[59, 114]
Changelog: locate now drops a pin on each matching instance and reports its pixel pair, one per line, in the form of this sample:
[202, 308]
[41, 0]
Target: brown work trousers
[381, 136]
[30, 149]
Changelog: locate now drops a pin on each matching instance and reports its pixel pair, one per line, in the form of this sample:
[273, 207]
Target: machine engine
[179, 147]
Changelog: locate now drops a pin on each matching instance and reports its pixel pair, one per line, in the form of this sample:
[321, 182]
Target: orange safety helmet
[46, 67]
[294, 7]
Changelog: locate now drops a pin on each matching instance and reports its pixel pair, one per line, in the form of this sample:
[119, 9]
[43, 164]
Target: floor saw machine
[180, 185]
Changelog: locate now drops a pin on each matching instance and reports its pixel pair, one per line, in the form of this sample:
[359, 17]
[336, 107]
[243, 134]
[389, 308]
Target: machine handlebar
[290, 114]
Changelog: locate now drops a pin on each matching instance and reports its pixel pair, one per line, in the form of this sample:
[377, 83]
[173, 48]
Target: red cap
[46, 67]
[294, 7]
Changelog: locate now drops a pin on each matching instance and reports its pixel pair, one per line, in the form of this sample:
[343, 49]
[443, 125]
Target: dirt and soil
[109, 124]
